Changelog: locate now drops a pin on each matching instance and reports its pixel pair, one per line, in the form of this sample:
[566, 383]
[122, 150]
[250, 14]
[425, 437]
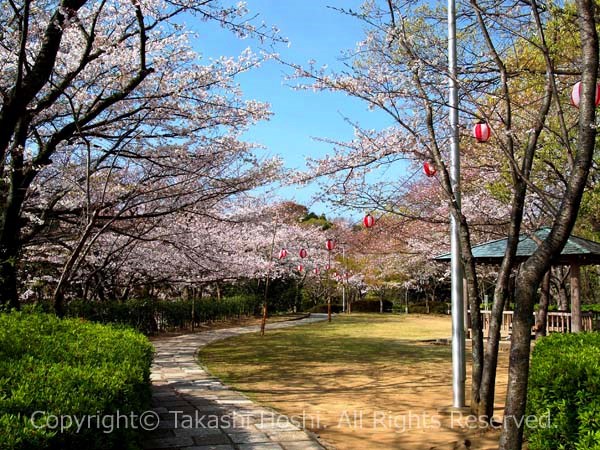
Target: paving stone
[248, 437]
[287, 436]
[178, 411]
[302, 445]
[159, 433]
[234, 401]
[210, 447]
[167, 424]
[167, 443]
[216, 439]
[160, 410]
[275, 425]
[261, 446]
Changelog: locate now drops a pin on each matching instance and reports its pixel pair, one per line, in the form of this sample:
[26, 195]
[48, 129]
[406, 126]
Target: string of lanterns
[303, 253]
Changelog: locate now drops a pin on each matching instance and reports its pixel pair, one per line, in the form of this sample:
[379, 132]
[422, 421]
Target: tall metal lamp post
[457, 294]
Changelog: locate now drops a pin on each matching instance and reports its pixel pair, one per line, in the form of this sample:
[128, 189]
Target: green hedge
[371, 306]
[54, 368]
[322, 308]
[150, 316]
[565, 383]
[434, 308]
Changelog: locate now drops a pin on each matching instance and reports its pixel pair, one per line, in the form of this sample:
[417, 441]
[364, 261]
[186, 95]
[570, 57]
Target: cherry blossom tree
[230, 242]
[109, 98]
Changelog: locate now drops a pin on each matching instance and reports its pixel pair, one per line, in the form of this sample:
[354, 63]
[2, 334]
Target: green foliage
[318, 221]
[150, 316]
[591, 308]
[565, 384]
[68, 367]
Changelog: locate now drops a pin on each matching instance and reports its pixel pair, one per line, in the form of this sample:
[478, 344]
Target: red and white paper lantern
[330, 244]
[300, 268]
[429, 168]
[303, 253]
[576, 94]
[482, 131]
[369, 221]
[282, 253]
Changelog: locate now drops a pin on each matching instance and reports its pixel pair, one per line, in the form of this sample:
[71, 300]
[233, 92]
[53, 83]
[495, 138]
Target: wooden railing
[557, 322]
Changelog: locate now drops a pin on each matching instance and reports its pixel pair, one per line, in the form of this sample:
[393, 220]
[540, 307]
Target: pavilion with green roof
[576, 253]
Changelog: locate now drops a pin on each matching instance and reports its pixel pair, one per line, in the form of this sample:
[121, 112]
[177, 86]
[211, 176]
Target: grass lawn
[364, 381]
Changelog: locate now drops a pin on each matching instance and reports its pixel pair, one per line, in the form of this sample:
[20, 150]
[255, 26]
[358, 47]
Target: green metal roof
[576, 250]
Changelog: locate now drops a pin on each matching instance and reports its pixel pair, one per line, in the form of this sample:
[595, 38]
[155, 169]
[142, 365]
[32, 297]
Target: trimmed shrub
[336, 308]
[53, 368]
[150, 316]
[371, 306]
[434, 308]
[564, 383]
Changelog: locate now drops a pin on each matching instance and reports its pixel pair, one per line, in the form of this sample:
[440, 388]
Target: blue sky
[315, 32]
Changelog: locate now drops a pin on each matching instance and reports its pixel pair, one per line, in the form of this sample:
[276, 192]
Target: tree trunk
[263, 322]
[502, 293]
[576, 325]
[70, 265]
[516, 399]
[488, 377]
[10, 229]
[193, 312]
[8, 277]
[472, 293]
[558, 282]
[563, 296]
[542, 316]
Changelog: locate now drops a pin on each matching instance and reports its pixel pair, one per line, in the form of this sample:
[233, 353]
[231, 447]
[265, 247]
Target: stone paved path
[194, 411]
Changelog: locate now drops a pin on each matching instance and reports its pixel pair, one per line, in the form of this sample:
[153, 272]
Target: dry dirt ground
[366, 382]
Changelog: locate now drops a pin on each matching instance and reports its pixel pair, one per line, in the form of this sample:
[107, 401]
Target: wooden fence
[558, 322]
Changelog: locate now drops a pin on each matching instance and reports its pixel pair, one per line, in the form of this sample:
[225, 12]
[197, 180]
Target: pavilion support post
[576, 326]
